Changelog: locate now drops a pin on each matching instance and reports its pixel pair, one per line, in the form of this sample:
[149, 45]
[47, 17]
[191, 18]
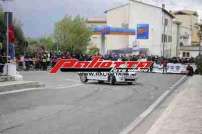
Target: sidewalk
[184, 113]
[16, 85]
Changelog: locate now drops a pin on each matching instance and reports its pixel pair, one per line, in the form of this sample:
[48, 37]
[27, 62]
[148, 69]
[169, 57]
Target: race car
[116, 75]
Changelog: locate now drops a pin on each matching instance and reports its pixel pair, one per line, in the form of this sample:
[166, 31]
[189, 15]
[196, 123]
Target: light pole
[200, 35]
[7, 25]
[164, 34]
[178, 38]
[7, 13]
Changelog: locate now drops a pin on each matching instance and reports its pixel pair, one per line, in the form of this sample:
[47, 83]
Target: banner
[176, 68]
[143, 31]
[157, 68]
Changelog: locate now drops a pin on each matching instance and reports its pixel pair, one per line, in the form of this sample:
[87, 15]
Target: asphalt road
[67, 106]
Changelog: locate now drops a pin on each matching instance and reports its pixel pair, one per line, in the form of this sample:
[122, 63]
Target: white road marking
[75, 85]
[178, 82]
[72, 80]
[20, 90]
[34, 89]
[151, 108]
[155, 104]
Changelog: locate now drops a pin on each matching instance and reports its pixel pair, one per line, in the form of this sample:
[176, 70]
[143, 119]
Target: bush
[199, 64]
[93, 51]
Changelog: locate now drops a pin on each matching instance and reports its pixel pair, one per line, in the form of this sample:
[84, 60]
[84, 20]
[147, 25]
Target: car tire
[130, 83]
[112, 80]
[83, 78]
[100, 81]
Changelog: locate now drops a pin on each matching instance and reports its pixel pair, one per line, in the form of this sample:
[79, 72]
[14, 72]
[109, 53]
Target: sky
[38, 17]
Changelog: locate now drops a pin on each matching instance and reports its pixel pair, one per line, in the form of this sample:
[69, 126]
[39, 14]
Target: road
[66, 106]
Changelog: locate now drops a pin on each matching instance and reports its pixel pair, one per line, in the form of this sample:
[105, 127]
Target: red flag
[11, 34]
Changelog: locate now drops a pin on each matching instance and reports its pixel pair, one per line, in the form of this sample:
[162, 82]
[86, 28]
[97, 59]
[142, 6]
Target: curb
[131, 127]
[17, 85]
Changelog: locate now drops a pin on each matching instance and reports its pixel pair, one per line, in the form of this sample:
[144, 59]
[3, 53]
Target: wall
[145, 14]
[95, 39]
[175, 35]
[189, 21]
[169, 35]
[117, 18]
[191, 53]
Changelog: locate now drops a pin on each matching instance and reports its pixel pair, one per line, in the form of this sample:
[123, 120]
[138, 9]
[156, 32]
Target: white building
[117, 17]
[185, 34]
[153, 24]
[96, 40]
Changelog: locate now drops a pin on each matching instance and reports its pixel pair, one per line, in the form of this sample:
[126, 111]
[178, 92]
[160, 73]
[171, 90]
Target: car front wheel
[83, 78]
[112, 80]
[130, 83]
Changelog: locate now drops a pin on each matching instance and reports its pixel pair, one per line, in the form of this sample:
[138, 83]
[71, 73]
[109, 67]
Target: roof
[116, 7]
[164, 10]
[185, 12]
[97, 20]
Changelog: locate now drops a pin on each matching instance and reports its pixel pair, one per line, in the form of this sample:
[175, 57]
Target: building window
[186, 54]
[166, 22]
[183, 54]
[165, 38]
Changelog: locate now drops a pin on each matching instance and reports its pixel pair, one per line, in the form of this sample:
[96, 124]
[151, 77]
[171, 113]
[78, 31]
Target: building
[153, 25]
[189, 20]
[158, 32]
[186, 37]
[117, 17]
[96, 40]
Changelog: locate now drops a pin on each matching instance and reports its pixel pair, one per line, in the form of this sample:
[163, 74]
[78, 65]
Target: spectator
[1, 63]
[190, 70]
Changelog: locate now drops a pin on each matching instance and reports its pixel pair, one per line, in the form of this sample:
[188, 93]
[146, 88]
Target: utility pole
[178, 38]
[200, 35]
[164, 35]
[7, 19]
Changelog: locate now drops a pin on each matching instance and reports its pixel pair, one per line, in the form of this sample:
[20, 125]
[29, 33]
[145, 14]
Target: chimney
[163, 6]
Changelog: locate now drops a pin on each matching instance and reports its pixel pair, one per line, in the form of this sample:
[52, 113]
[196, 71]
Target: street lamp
[200, 34]
[178, 33]
[7, 14]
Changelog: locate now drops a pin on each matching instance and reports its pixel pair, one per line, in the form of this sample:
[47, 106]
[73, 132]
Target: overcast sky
[39, 16]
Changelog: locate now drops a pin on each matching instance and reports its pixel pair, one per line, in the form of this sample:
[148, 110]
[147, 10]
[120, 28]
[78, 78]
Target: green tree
[34, 44]
[72, 34]
[20, 39]
[198, 62]
[2, 27]
[47, 42]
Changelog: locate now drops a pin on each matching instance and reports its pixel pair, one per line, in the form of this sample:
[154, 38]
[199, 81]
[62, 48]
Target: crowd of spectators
[46, 60]
[43, 60]
[2, 60]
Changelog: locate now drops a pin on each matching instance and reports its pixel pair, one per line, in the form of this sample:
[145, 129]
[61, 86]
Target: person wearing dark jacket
[190, 70]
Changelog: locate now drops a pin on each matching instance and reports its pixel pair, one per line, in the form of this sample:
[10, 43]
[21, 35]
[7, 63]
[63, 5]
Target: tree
[198, 62]
[2, 27]
[43, 43]
[20, 39]
[72, 34]
[47, 42]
